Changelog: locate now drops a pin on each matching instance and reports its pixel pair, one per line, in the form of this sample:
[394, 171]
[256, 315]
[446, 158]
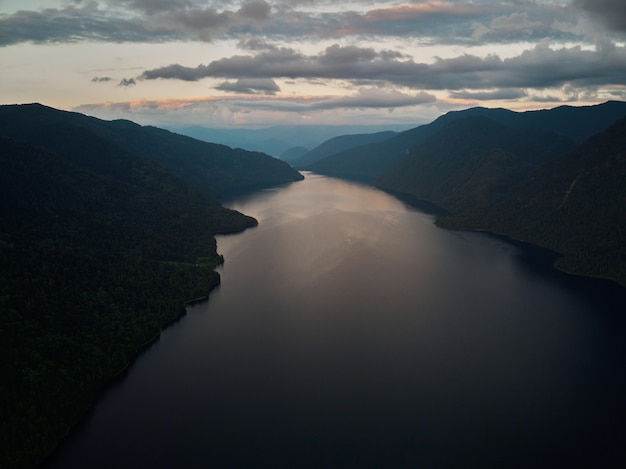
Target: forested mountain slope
[368, 163]
[100, 247]
[215, 169]
[540, 176]
[575, 204]
[472, 163]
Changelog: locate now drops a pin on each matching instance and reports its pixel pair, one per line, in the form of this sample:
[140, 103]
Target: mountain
[553, 178]
[576, 205]
[293, 154]
[369, 163]
[278, 139]
[339, 144]
[215, 169]
[100, 247]
[472, 163]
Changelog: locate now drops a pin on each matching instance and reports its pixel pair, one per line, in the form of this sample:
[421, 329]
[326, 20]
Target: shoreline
[439, 213]
[121, 373]
[118, 376]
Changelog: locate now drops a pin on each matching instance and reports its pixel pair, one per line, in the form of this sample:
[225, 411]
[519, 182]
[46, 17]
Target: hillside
[339, 144]
[293, 154]
[472, 163]
[100, 247]
[540, 176]
[369, 163]
[575, 204]
[217, 170]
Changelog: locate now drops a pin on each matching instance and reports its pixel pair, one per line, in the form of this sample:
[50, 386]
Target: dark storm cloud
[610, 12]
[539, 67]
[250, 86]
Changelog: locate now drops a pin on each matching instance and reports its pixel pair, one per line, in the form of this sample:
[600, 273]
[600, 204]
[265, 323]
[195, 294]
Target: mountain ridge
[215, 169]
[368, 163]
[101, 246]
[474, 163]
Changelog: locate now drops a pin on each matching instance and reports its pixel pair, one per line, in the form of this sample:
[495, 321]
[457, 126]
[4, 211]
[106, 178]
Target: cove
[349, 331]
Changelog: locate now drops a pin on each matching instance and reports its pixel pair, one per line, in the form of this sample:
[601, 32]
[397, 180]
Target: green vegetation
[472, 164]
[214, 169]
[576, 205]
[100, 248]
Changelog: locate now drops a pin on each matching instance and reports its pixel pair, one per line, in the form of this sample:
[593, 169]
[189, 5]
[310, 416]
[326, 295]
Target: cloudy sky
[255, 63]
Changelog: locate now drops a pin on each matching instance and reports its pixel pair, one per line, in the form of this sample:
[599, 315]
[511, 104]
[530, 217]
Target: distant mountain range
[277, 140]
[553, 178]
[106, 231]
[339, 144]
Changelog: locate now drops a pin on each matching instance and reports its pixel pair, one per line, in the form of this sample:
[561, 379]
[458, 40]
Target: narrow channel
[349, 331]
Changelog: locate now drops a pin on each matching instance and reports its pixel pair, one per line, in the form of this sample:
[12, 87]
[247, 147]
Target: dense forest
[215, 169]
[502, 171]
[100, 247]
[576, 205]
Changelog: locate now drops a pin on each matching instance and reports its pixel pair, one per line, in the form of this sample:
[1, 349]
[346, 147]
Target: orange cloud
[173, 104]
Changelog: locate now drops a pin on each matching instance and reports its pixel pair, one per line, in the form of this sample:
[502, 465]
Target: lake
[349, 331]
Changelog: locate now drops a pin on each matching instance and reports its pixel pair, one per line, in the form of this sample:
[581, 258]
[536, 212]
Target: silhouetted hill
[472, 163]
[100, 247]
[509, 172]
[294, 154]
[276, 140]
[576, 205]
[215, 169]
[339, 144]
[369, 163]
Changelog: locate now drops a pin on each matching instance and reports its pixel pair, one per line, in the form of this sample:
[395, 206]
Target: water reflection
[349, 331]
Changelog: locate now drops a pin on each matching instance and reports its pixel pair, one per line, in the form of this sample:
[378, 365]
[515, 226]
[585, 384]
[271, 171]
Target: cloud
[375, 98]
[335, 62]
[139, 21]
[611, 12]
[250, 86]
[155, 21]
[256, 44]
[101, 79]
[539, 67]
[126, 82]
[69, 24]
[516, 24]
[152, 7]
[256, 9]
[366, 98]
[490, 95]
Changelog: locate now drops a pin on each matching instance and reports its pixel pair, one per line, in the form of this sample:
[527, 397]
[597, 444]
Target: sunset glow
[308, 62]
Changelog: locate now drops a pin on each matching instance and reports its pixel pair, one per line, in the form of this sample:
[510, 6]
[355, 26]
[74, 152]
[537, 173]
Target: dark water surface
[349, 331]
